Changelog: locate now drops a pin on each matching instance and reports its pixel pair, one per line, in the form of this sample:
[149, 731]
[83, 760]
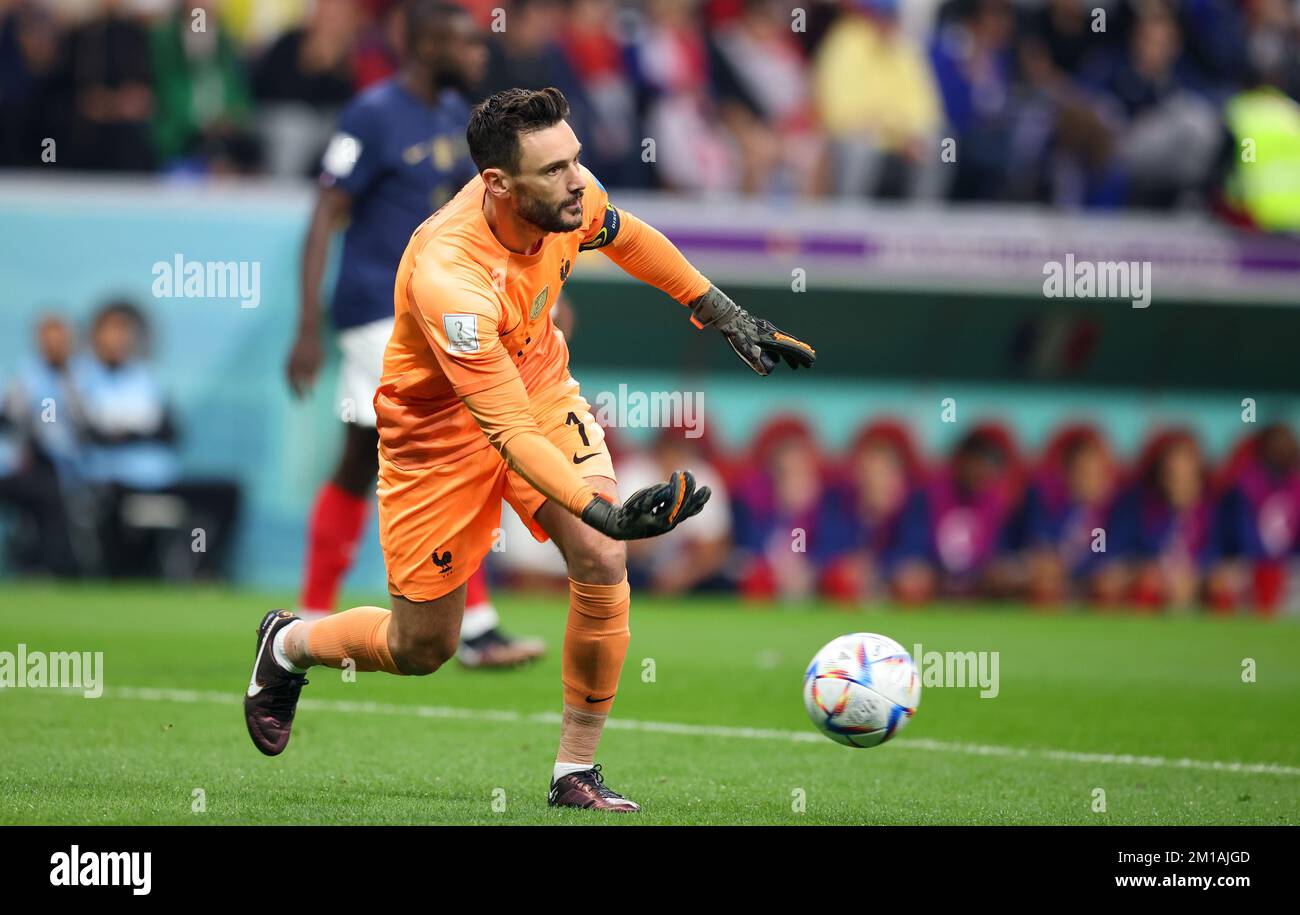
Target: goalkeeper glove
[761, 344]
[648, 512]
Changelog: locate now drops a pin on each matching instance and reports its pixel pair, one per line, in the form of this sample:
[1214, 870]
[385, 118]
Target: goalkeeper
[476, 403]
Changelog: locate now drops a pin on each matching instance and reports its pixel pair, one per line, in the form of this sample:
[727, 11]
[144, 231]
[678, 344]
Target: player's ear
[497, 182]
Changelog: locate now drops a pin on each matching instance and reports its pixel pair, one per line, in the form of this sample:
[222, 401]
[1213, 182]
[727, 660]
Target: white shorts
[363, 363]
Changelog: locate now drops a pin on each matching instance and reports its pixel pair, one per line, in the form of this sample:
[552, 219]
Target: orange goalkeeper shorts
[437, 523]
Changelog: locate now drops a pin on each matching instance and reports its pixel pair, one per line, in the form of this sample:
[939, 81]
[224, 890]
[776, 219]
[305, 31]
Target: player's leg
[337, 519]
[435, 526]
[597, 636]
[483, 644]
[413, 638]
[595, 645]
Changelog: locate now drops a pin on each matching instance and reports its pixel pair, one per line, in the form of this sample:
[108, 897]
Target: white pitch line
[704, 730]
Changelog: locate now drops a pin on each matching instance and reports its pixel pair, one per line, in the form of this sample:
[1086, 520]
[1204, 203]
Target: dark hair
[981, 444]
[123, 308]
[423, 16]
[498, 120]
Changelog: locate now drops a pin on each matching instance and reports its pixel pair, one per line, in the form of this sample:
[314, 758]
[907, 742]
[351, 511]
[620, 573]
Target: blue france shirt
[399, 159]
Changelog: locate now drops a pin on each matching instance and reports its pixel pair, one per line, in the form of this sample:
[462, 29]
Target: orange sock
[595, 643]
[360, 634]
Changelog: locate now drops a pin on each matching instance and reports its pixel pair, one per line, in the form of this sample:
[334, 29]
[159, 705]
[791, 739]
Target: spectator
[591, 45]
[1272, 45]
[43, 404]
[693, 557]
[300, 83]
[128, 427]
[1169, 135]
[149, 514]
[764, 96]
[1161, 527]
[690, 150]
[376, 57]
[973, 65]
[1066, 505]
[107, 79]
[777, 509]
[1061, 31]
[879, 105]
[527, 53]
[972, 505]
[1262, 187]
[1219, 39]
[203, 105]
[40, 454]
[1259, 520]
[312, 64]
[1063, 149]
[29, 62]
[875, 537]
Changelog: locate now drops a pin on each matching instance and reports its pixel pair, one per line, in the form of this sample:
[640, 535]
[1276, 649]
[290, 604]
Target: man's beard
[451, 77]
[547, 216]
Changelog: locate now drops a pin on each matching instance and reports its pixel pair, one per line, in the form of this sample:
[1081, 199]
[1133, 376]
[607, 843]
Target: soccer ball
[861, 689]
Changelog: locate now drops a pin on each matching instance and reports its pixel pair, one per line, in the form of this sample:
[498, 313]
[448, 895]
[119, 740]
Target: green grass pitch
[709, 725]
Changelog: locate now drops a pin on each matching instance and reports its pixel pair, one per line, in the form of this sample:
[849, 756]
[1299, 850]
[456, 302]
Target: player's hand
[648, 512]
[760, 343]
[304, 362]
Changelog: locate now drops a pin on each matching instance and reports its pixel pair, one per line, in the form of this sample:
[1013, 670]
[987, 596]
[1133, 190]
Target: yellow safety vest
[1266, 126]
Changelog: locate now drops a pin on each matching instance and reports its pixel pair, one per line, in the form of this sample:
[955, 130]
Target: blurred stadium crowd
[1098, 104]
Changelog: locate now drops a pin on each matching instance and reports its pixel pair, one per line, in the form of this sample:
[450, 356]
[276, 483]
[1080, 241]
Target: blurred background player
[398, 155]
[1067, 503]
[145, 506]
[39, 459]
[1258, 520]
[1162, 526]
[876, 540]
[777, 504]
[693, 557]
[972, 515]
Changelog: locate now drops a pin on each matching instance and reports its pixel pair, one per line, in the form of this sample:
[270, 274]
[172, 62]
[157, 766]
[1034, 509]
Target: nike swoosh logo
[585, 457]
[253, 686]
[606, 699]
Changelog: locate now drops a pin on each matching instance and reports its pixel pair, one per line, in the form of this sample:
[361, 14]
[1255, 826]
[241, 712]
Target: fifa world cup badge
[539, 303]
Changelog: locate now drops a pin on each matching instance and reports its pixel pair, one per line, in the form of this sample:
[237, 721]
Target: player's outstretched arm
[757, 341]
[642, 251]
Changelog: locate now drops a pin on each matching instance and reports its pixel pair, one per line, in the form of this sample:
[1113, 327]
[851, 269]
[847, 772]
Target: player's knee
[421, 656]
[599, 561]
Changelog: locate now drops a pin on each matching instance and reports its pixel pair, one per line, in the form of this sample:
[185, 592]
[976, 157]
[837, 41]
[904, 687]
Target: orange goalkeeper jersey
[470, 314]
